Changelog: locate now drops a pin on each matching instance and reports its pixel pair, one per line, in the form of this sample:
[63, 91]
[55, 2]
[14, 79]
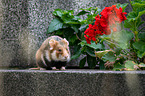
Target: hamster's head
[59, 50]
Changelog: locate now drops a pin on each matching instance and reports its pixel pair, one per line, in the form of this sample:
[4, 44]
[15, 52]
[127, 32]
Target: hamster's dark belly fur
[58, 64]
[49, 64]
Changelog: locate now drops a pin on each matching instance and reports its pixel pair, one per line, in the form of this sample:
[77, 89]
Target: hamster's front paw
[42, 69]
[54, 68]
[62, 68]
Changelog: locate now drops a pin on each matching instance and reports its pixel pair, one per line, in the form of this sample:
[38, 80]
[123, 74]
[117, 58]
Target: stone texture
[72, 83]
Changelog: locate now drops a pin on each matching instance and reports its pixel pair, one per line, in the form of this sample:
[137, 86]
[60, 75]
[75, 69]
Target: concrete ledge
[71, 83]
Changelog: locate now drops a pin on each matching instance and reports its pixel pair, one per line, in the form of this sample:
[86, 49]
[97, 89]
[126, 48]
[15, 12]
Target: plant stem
[141, 29]
[78, 37]
[127, 57]
[136, 36]
[135, 32]
[131, 5]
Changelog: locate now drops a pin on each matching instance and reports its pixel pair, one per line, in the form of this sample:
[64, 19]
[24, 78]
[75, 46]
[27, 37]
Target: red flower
[93, 38]
[109, 17]
[87, 39]
[103, 22]
[107, 31]
[121, 15]
[105, 12]
[90, 34]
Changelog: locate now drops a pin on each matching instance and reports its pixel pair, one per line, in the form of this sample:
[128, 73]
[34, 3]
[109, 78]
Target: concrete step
[72, 83]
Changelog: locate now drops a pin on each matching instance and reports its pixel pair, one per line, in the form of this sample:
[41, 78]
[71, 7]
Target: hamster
[53, 54]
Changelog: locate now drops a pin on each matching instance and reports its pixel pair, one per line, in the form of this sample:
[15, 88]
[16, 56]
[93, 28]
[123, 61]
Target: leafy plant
[106, 45]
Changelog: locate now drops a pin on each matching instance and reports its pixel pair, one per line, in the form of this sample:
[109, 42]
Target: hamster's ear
[52, 43]
[65, 42]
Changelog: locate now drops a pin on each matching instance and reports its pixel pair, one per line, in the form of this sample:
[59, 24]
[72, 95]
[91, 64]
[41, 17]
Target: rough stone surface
[72, 83]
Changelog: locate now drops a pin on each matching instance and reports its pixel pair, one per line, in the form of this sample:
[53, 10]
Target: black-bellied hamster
[53, 54]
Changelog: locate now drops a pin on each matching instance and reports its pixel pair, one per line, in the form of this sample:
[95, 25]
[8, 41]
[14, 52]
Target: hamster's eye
[59, 50]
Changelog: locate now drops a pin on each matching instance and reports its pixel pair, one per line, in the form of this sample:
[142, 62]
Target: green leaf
[101, 64]
[95, 46]
[66, 16]
[82, 12]
[90, 51]
[99, 10]
[140, 45]
[141, 65]
[118, 51]
[68, 33]
[123, 6]
[59, 32]
[76, 49]
[82, 62]
[75, 27]
[71, 22]
[76, 18]
[130, 65]
[88, 9]
[118, 66]
[122, 38]
[101, 53]
[73, 39]
[140, 54]
[83, 27]
[83, 43]
[132, 16]
[92, 45]
[141, 36]
[141, 13]
[128, 24]
[90, 18]
[91, 61]
[55, 24]
[111, 45]
[137, 1]
[109, 57]
[139, 22]
[69, 18]
[76, 55]
[138, 5]
[58, 12]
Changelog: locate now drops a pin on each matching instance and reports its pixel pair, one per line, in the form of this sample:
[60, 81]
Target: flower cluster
[102, 25]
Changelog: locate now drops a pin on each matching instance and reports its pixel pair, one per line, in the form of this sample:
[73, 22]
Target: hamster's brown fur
[53, 54]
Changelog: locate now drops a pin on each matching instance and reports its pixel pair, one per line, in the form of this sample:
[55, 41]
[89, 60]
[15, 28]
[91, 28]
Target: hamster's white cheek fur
[53, 56]
[68, 55]
[60, 58]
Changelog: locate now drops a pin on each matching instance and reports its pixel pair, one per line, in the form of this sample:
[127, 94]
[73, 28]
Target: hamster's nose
[65, 57]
